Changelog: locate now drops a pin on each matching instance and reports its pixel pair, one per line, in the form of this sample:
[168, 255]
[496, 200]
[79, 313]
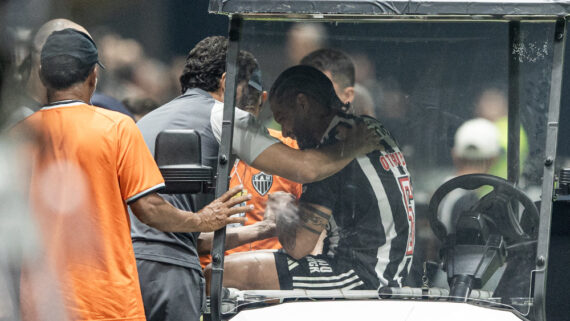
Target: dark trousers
[171, 292]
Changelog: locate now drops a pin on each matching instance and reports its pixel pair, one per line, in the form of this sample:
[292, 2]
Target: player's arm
[311, 165]
[236, 236]
[300, 238]
[253, 144]
[154, 211]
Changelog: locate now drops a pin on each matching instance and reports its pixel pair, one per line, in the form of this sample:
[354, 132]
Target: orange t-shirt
[259, 185]
[87, 163]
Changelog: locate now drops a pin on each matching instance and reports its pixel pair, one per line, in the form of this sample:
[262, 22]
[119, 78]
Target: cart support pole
[559, 51]
[224, 164]
[514, 122]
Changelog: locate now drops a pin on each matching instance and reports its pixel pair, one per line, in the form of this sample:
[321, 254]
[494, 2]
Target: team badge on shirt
[262, 182]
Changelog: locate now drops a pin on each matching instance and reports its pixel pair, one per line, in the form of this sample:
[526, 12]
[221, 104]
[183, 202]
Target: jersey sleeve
[250, 137]
[137, 170]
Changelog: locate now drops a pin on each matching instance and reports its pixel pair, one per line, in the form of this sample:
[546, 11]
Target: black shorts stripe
[314, 273]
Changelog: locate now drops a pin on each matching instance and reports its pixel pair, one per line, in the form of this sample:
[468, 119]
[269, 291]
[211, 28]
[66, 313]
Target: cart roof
[392, 8]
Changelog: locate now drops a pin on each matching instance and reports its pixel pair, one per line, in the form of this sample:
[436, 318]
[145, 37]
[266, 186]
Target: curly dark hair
[205, 64]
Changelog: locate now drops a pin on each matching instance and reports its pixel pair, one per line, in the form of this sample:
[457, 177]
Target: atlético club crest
[262, 182]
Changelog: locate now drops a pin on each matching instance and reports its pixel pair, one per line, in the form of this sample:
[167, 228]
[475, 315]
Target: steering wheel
[502, 196]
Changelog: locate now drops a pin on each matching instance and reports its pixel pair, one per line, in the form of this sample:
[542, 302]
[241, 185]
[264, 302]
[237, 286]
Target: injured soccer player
[366, 209]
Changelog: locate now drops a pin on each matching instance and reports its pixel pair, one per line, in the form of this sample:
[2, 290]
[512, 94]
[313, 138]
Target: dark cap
[255, 80]
[73, 43]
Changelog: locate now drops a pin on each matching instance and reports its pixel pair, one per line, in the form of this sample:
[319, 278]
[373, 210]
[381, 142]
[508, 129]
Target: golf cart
[423, 66]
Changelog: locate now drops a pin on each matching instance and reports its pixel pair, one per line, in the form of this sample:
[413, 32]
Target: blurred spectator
[339, 68]
[492, 104]
[139, 106]
[303, 38]
[363, 104]
[131, 73]
[476, 149]
[14, 68]
[101, 100]
[33, 96]
[390, 102]
[19, 241]
[152, 78]
[176, 64]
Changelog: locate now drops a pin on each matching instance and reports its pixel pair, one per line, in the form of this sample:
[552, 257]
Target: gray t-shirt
[195, 109]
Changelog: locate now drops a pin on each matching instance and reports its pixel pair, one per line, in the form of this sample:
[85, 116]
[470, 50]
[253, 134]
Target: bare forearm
[154, 211]
[306, 166]
[237, 236]
[321, 163]
[303, 166]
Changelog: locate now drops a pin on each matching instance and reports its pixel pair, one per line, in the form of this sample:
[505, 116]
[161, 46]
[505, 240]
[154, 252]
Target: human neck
[217, 95]
[71, 93]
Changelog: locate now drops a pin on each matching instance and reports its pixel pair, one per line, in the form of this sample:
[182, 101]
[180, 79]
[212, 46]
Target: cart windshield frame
[513, 14]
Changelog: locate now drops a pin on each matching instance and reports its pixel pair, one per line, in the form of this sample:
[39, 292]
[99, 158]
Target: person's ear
[222, 83]
[96, 72]
[92, 78]
[348, 95]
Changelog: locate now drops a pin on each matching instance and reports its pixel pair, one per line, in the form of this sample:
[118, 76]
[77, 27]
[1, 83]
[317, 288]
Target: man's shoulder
[190, 103]
[193, 96]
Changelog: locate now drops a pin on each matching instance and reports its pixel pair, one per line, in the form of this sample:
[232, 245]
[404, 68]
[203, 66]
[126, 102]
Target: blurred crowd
[136, 82]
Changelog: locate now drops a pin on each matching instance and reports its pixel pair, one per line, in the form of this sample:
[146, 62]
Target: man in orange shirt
[87, 165]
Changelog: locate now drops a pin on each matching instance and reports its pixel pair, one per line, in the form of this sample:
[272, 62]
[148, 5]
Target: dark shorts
[171, 292]
[314, 273]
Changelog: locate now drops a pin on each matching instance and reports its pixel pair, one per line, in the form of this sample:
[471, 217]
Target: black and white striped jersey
[372, 225]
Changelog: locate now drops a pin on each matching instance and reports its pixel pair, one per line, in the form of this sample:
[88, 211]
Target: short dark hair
[247, 64]
[61, 72]
[336, 62]
[205, 64]
[309, 81]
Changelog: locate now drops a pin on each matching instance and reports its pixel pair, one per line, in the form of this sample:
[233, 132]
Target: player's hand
[276, 202]
[217, 214]
[286, 211]
[360, 139]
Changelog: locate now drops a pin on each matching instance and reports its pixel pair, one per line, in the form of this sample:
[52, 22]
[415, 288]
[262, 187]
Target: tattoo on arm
[310, 229]
[314, 219]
